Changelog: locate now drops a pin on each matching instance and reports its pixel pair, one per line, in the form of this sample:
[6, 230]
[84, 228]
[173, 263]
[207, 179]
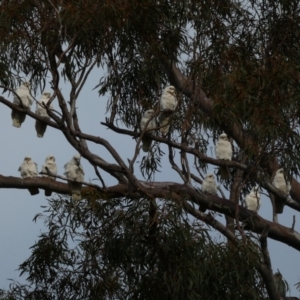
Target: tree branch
[165, 190]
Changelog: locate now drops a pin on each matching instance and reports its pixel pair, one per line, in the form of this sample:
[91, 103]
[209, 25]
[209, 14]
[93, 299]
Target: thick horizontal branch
[253, 220]
[166, 190]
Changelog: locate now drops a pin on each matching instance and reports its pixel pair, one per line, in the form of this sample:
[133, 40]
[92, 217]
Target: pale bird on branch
[252, 200]
[49, 167]
[26, 101]
[41, 110]
[28, 169]
[282, 185]
[167, 104]
[223, 150]
[74, 172]
[146, 140]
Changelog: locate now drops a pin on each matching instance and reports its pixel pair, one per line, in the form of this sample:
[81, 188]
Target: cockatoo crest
[223, 136]
[77, 158]
[50, 158]
[47, 94]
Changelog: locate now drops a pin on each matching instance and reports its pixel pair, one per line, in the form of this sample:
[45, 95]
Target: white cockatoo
[49, 167]
[29, 169]
[280, 284]
[151, 125]
[253, 199]
[167, 104]
[281, 184]
[209, 186]
[23, 92]
[40, 110]
[74, 172]
[223, 150]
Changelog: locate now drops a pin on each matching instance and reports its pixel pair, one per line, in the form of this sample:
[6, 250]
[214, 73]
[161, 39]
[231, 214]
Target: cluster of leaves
[98, 249]
[243, 54]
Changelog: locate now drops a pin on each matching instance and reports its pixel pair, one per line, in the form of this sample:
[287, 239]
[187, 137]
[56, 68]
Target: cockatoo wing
[40, 128]
[17, 118]
[165, 118]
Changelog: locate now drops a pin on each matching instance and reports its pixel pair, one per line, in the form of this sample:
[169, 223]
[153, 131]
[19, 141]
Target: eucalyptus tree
[235, 68]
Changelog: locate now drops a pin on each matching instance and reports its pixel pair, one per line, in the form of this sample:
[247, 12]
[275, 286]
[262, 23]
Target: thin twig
[77, 181]
[174, 165]
[294, 222]
[100, 177]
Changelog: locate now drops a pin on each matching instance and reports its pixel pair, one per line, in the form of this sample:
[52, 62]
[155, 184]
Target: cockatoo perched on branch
[223, 150]
[151, 125]
[74, 172]
[28, 169]
[253, 199]
[208, 186]
[281, 184]
[26, 101]
[42, 111]
[49, 167]
[168, 103]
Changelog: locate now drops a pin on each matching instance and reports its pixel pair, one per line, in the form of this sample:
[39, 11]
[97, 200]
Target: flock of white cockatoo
[28, 169]
[23, 99]
[73, 172]
[223, 151]
[167, 106]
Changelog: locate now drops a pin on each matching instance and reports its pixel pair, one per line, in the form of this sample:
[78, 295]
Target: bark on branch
[166, 190]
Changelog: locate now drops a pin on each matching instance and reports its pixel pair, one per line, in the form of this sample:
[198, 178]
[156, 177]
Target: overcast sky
[17, 230]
